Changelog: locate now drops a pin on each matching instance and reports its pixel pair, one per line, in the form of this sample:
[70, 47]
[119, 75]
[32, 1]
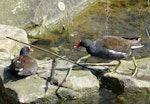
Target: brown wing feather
[27, 62]
[116, 43]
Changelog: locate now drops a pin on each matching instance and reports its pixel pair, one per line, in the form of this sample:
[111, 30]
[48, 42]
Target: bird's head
[26, 50]
[78, 44]
[83, 43]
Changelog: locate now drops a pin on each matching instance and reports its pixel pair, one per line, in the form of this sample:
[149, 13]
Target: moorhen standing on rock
[111, 48]
[24, 65]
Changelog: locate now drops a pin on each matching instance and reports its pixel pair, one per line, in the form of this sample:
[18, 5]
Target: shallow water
[103, 97]
[127, 18]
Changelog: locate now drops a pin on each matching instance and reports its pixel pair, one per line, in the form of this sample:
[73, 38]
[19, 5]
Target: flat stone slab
[31, 88]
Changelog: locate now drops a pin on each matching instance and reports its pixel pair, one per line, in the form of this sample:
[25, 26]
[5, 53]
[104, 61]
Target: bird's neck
[24, 53]
[91, 48]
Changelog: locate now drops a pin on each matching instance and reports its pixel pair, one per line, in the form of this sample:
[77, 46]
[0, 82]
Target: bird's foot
[84, 57]
[111, 71]
[134, 71]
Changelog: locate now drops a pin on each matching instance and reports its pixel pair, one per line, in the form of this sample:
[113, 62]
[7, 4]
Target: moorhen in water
[112, 48]
[24, 65]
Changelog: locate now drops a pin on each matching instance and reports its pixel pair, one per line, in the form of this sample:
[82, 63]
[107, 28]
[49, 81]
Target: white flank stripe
[115, 52]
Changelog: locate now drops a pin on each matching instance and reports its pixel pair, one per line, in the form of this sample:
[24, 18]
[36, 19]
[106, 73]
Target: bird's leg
[84, 57]
[115, 69]
[135, 66]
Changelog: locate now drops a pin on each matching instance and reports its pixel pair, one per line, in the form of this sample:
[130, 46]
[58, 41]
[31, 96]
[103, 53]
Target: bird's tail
[134, 42]
[137, 46]
[133, 39]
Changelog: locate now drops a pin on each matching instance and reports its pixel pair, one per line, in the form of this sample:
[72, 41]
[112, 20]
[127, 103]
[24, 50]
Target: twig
[98, 64]
[50, 53]
[41, 49]
[68, 73]
[53, 71]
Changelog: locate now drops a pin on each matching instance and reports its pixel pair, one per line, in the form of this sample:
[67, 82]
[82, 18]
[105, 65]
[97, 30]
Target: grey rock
[38, 16]
[79, 84]
[9, 47]
[32, 88]
[132, 84]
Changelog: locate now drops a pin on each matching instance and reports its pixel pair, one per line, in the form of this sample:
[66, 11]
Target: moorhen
[24, 65]
[111, 48]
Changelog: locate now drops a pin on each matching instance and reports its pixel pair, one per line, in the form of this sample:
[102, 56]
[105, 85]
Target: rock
[10, 47]
[68, 94]
[35, 87]
[140, 83]
[30, 89]
[5, 97]
[79, 79]
[39, 16]
[81, 83]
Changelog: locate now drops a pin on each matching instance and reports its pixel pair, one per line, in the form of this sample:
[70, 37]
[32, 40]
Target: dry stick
[41, 49]
[52, 71]
[97, 64]
[53, 63]
[68, 72]
[53, 53]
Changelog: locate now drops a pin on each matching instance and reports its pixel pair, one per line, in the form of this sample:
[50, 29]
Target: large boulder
[37, 16]
[10, 47]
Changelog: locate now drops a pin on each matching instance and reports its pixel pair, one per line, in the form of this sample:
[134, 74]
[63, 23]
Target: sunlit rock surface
[10, 47]
[132, 84]
[80, 83]
[38, 16]
[32, 88]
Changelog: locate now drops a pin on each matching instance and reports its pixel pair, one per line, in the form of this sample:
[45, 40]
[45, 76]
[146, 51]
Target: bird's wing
[116, 44]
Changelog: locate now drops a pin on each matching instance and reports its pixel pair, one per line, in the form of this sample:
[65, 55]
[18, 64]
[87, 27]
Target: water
[126, 18]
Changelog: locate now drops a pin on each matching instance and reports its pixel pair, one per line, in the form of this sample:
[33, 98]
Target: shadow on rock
[10, 76]
[99, 73]
[113, 84]
[8, 96]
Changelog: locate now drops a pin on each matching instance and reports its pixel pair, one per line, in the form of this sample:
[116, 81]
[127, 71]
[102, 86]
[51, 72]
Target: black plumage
[24, 64]
[111, 47]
